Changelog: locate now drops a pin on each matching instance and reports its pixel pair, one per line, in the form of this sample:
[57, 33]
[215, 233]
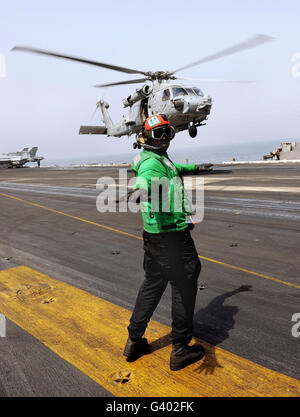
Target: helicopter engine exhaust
[139, 94]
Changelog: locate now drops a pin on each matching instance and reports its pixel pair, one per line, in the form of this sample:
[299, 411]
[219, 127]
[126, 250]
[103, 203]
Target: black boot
[135, 348]
[183, 355]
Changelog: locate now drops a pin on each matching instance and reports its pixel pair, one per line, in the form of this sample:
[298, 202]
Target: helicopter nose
[196, 104]
[206, 101]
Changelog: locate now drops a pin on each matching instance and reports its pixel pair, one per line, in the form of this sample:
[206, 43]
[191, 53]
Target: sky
[43, 101]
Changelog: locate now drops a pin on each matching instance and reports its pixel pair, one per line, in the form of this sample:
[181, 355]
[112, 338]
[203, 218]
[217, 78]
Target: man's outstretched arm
[185, 169]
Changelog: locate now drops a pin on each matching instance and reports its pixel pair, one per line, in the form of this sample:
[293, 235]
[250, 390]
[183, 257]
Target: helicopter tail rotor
[95, 111]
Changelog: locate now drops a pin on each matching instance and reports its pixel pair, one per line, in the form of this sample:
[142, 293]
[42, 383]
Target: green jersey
[153, 171]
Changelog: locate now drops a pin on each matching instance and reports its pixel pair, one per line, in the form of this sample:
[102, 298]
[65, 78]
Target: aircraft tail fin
[33, 152]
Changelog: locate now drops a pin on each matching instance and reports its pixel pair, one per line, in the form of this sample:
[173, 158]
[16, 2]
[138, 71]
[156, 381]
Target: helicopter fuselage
[185, 107]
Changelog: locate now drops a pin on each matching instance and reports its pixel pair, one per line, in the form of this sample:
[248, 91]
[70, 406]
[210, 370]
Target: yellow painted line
[70, 216]
[90, 333]
[249, 272]
[112, 229]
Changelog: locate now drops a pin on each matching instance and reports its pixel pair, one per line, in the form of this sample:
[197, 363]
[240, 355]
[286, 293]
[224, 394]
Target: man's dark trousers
[169, 257]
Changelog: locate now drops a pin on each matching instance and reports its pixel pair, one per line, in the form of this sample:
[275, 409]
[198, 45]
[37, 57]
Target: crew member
[170, 254]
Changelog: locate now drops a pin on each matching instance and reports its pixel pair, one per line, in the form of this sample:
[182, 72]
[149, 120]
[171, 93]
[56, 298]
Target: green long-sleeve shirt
[167, 210]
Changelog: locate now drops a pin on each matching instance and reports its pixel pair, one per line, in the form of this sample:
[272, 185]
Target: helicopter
[186, 107]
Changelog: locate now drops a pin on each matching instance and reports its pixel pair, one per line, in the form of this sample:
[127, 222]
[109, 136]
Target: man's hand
[136, 195]
[204, 167]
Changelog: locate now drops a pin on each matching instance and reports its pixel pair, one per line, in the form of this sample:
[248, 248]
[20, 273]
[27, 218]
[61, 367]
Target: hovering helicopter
[186, 107]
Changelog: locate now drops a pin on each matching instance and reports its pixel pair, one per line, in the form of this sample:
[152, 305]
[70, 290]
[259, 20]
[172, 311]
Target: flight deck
[69, 276]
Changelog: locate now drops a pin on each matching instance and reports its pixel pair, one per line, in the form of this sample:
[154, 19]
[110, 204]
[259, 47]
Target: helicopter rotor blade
[217, 80]
[77, 59]
[140, 80]
[250, 43]
[93, 115]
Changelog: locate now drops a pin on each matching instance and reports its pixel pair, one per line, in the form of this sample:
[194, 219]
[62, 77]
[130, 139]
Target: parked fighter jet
[20, 158]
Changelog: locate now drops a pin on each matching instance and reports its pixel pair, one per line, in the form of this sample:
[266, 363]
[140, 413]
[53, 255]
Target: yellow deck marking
[71, 216]
[90, 333]
[249, 272]
[112, 229]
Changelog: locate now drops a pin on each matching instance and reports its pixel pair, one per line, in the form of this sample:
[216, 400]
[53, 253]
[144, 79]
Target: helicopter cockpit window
[198, 91]
[166, 95]
[190, 91]
[179, 91]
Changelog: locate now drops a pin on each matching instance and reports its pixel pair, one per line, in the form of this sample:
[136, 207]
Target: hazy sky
[43, 101]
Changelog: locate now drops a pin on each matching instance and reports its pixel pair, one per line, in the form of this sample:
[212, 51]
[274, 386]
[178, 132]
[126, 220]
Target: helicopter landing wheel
[193, 131]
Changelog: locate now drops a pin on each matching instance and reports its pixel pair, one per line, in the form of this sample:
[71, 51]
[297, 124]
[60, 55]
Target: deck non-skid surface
[248, 244]
[89, 333]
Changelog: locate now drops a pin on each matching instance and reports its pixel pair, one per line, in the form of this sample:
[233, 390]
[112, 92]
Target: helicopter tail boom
[118, 129]
[109, 129]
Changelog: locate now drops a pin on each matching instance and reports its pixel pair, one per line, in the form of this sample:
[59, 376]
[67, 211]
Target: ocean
[216, 154]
